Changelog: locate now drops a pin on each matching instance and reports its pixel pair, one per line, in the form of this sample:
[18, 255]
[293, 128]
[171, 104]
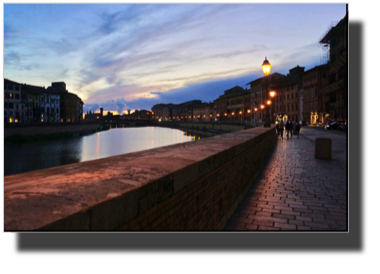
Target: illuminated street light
[272, 94]
[266, 70]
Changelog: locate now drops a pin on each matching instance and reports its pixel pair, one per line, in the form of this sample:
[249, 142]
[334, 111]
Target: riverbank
[43, 132]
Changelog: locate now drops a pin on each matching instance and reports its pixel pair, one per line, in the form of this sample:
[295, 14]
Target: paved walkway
[296, 191]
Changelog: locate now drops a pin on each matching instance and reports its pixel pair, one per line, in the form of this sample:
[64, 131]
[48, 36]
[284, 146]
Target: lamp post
[272, 94]
[256, 114]
[266, 70]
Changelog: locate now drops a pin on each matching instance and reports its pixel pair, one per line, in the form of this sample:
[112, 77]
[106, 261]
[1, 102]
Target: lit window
[10, 120]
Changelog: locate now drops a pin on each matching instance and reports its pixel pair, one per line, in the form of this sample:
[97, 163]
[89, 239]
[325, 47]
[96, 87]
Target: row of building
[136, 115]
[25, 103]
[316, 95]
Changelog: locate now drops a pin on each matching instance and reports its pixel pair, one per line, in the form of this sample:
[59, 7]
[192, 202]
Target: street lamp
[266, 70]
[272, 94]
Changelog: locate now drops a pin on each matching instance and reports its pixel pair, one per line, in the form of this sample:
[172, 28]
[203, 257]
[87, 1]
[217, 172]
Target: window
[17, 96]
[5, 105]
[42, 99]
[10, 95]
[11, 105]
[17, 88]
[5, 113]
[10, 87]
[16, 106]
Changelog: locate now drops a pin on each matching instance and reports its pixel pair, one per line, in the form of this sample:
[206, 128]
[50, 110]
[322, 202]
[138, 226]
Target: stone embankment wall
[222, 127]
[188, 186]
[203, 128]
[49, 129]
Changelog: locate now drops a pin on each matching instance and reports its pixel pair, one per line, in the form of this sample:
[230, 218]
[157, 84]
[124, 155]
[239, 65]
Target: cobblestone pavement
[296, 191]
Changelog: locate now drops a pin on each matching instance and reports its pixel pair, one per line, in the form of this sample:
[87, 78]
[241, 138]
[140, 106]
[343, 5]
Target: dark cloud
[92, 107]
[11, 57]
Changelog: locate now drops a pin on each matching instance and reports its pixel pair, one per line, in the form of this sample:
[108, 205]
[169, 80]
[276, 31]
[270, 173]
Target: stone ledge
[104, 194]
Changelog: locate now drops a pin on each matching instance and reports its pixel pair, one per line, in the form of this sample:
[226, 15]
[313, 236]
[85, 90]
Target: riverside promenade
[296, 191]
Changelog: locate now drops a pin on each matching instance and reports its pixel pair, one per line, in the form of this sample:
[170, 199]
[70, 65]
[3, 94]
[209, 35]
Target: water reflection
[34, 156]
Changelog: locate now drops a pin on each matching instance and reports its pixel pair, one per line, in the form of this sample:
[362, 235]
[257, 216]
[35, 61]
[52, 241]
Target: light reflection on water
[33, 156]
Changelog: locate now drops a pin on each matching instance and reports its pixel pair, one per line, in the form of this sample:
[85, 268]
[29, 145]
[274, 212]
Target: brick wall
[208, 203]
[187, 186]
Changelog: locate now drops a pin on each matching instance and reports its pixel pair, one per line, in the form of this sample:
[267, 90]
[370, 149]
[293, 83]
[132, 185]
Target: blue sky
[132, 56]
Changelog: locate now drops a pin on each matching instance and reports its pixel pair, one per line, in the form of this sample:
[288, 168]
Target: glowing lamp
[262, 106]
[233, 113]
[217, 114]
[272, 94]
[266, 66]
[249, 111]
[268, 102]
[239, 112]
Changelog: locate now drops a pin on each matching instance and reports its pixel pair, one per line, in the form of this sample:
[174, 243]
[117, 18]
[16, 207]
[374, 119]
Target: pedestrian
[291, 128]
[287, 128]
[298, 129]
[281, 128]
[278, 128]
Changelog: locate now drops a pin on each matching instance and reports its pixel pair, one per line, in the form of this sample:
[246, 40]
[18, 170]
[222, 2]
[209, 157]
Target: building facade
[14, 107]
[312, 82]
[335, 92]
[258, 96]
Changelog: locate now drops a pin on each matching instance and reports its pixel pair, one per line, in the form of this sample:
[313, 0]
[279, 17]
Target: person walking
[287, 128]
[298, 129]
[291, 128]
[278, 128]
[281, 128]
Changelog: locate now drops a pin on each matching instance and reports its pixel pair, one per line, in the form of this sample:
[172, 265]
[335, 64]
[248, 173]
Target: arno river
[40, 155]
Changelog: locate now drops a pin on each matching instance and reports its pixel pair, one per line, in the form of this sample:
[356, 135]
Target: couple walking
[289, 127]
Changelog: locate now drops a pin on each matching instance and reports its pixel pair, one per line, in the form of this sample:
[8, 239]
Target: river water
[40, 155]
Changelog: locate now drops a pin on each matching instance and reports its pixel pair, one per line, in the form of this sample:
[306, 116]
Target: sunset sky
[132, 56]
